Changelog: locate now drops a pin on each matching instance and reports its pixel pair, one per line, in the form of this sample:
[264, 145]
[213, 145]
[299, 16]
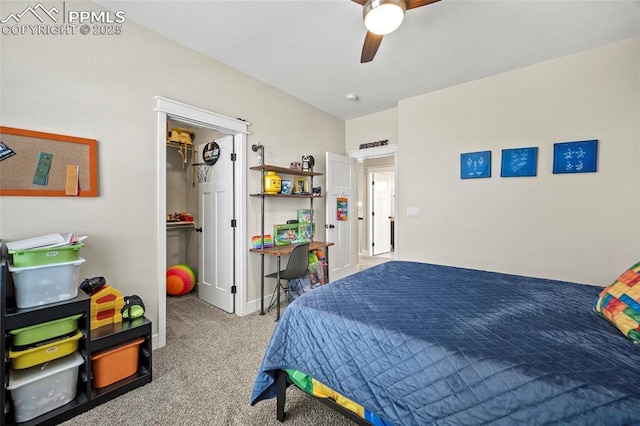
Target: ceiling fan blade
[412, 4]
[360, 2]
[371, 43]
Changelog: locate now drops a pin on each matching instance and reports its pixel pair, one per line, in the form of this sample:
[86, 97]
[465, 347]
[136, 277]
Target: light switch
[413, 211]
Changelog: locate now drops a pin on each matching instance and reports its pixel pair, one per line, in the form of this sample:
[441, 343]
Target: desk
[280, 251]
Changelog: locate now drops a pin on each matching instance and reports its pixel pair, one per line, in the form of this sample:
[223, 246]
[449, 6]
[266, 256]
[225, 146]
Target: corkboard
[17, 171]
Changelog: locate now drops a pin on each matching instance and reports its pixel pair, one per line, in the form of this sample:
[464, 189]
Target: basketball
[180, 280]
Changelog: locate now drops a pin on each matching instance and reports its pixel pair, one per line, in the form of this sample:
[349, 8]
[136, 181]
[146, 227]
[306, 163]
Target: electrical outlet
[413, 211]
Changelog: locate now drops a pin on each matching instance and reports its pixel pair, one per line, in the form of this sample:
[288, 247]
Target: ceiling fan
[382, 17]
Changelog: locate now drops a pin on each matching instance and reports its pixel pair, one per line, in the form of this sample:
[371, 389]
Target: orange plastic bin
[116, 363]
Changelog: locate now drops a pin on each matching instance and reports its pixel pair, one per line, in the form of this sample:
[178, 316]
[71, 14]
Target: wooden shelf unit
[285, 171]
[281, 171]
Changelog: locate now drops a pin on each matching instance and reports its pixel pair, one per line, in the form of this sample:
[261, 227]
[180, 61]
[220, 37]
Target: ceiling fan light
[383, 16]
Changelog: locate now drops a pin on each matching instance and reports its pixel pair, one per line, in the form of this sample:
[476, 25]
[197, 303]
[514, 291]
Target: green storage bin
[46, 255]
[45, 331]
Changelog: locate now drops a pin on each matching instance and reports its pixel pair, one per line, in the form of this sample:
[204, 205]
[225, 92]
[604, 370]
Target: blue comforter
[425, 344]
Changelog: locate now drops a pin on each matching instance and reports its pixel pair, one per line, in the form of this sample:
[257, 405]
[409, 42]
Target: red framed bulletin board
[17, 169]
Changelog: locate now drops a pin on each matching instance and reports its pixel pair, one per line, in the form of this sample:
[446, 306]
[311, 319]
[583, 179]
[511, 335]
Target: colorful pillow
[620, 303]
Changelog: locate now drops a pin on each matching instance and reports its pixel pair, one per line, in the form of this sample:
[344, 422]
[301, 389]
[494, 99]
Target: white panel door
[341, 183]
[216, 239]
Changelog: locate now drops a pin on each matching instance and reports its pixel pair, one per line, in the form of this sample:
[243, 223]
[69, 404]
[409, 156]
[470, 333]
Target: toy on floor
[180, 280]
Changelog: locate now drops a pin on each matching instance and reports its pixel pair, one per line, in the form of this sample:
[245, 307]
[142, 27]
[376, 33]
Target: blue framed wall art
[475, 165]
[519, 162]
[575, 157]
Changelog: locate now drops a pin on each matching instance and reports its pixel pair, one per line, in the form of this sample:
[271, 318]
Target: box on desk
[305, 215]
[286, 233]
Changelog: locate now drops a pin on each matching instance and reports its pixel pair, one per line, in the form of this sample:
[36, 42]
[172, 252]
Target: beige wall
[580, 227]
[372, 128]
[103, 88]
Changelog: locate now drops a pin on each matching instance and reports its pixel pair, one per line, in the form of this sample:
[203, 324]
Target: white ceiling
[311, 48]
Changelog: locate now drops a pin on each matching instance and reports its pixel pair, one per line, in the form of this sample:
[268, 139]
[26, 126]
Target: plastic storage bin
[40, 285]
[116, 363]
[35, 334]
[40, 389]
[47, 352]
[45, 256]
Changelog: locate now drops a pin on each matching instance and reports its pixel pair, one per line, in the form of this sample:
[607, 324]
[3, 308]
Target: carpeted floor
[205, 374]
[365, 262]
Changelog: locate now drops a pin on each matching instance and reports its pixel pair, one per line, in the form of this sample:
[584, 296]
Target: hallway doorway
[383, 159]
[380, 209]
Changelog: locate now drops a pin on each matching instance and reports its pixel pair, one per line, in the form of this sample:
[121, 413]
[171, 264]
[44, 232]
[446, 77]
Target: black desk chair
[297, 267]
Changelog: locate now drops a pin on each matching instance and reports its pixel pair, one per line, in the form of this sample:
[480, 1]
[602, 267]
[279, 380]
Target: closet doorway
[186, 115]
[200, 209]
[182, 193]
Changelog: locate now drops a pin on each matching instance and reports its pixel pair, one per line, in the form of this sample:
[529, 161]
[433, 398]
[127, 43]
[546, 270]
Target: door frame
[370, 171]
[385, 151]
[171, 109]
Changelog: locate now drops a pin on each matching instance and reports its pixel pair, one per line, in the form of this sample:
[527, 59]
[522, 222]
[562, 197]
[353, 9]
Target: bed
[410, 343]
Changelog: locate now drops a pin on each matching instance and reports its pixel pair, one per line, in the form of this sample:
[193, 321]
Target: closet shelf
[173, 225]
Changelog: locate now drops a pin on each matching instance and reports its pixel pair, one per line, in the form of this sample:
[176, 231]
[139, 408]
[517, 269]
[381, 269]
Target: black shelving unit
[4, 368]
[92, 341]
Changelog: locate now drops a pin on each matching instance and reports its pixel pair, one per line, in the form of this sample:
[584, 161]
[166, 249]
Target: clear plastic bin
[40, 389]
[44, 284]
